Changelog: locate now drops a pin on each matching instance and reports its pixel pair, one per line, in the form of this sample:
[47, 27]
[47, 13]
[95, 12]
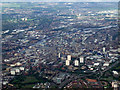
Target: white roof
[115, 72]
[96, 64]
[17, 70]
[21, 68]
[106, 64]
[12, 72]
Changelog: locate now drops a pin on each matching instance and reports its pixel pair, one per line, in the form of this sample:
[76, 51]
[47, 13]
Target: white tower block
[68, 57]
[104, 50]
[67, 62]
[76, 63]
[81, 59]
[59, 55]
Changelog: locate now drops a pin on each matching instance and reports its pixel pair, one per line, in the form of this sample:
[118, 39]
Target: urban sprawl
[60, 45]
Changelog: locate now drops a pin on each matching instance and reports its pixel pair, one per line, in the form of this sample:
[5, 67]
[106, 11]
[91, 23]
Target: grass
[30, 79]
[27, 81]
[28, 86]
[109, 78]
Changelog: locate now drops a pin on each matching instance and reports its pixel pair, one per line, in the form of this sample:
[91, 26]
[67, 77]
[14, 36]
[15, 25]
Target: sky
[60, 0]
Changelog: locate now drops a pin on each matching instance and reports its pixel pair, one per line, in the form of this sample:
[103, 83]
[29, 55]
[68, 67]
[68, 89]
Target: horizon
[61, 1]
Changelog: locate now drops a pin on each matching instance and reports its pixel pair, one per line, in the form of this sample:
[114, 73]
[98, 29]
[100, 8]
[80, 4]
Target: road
[74, 77]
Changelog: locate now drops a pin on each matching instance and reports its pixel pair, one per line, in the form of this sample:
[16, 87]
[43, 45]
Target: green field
[28, 86]
[30, 79]
[27, 81]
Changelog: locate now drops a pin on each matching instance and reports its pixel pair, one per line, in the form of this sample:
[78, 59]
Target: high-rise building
[67, 62]
[76, 62]
[68, 57]
[81, 59]
[59, 55]
[104, 50]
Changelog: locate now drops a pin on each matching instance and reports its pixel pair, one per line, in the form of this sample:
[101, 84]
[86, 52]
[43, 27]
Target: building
[76, 63]
[12, 72]
[5, 82]
[17, 70]
[58, 80]
[106, 64]
[96, 64]
[18, 64]
[115, 72]
[67, 62]
[22, 68]
[68, 57]
[115, 85]
[104, 50]
[93, 82]
[24, 19]
[59, 55]
[81, 59]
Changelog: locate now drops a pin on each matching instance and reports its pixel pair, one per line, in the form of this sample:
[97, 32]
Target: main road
[74, 76]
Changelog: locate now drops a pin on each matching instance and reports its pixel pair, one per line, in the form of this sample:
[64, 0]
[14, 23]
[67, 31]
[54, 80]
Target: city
[60, 45]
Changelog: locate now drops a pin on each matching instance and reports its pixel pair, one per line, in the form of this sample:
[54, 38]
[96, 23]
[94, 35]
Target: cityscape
[60, 45]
